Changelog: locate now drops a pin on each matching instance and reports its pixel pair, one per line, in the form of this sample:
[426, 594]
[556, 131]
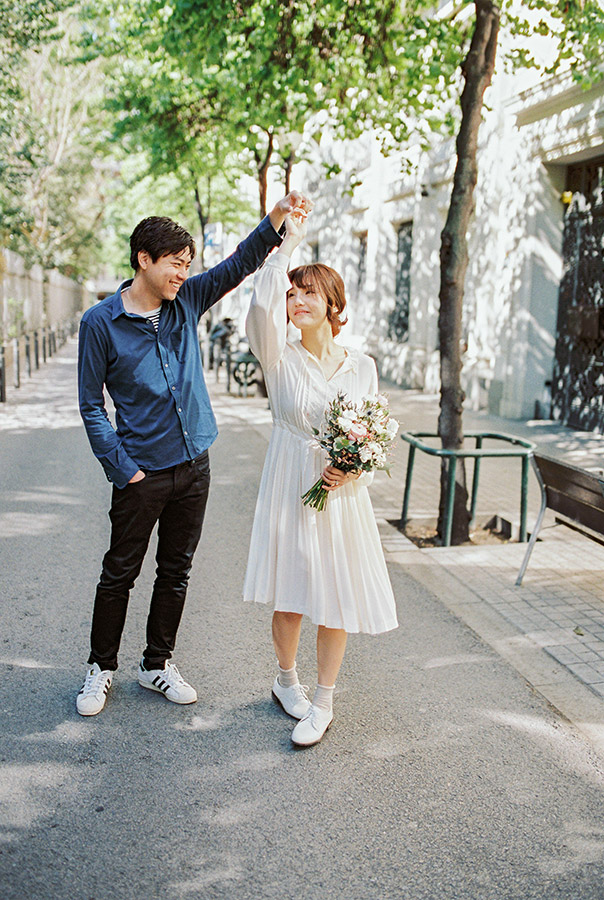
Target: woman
[327, 565]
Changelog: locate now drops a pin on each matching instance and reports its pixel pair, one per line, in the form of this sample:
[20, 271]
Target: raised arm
[266, 324]
[206, 289]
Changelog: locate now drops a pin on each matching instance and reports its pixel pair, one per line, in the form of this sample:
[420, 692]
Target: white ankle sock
[323, 697]
[287, 677]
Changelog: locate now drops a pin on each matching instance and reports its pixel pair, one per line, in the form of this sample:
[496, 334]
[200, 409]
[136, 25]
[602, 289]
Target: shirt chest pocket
[179, 341]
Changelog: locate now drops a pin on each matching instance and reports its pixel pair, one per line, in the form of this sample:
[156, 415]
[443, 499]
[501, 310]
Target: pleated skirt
[327, 565]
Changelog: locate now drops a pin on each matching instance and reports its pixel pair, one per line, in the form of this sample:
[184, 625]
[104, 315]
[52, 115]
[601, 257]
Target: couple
[141, 345]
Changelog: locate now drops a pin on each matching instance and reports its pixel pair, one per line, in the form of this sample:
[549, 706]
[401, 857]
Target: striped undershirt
[153, 316]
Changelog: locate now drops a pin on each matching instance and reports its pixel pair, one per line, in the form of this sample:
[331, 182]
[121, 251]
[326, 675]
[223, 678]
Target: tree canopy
[204, 92]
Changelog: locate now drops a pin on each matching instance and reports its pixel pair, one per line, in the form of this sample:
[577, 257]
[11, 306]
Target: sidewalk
[552, 628]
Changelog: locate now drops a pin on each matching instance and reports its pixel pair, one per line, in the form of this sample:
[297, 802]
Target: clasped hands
[334, 478]
[295, 207]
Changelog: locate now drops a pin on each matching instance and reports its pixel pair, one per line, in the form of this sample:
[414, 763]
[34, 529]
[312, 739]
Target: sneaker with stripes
[91, 698]
[167, 681]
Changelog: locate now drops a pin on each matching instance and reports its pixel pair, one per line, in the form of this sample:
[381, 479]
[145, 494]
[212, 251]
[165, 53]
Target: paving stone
[586, 672]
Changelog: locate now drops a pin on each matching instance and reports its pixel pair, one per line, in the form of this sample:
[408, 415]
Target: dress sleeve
[266, 323]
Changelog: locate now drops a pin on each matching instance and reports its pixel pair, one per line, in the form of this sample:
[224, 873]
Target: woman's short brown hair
[329, 284]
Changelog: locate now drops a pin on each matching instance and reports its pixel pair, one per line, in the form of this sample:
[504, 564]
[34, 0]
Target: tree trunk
[477, 70]
[262, 166]
[203, 221]
[288, 165]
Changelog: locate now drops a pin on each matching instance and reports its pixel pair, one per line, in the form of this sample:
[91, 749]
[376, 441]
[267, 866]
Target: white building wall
[514, 239]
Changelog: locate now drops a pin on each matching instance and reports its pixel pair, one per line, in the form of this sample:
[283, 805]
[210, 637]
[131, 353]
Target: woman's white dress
[328, 565]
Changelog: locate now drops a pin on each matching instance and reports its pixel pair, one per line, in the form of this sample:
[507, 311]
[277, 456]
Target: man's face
[165, 276]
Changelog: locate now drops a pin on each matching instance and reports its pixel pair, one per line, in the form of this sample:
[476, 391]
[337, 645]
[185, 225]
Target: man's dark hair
[159, 236]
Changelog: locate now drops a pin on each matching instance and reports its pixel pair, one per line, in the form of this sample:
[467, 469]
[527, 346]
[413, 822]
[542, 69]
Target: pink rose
[357, 431]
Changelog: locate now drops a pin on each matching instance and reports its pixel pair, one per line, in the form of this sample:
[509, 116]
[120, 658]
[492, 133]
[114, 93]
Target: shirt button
[179, 409]
[186, 432]
[166, 365]
[173, 387]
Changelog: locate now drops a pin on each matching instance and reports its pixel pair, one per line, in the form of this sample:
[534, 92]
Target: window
[398, 321]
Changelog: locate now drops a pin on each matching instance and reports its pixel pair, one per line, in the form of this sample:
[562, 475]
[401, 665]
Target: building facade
[533, 318]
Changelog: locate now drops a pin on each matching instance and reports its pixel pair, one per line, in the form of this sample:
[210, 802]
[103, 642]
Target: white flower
[345, 423]
[392, 427]
[379, 458]
[365, 453]
[383, 401]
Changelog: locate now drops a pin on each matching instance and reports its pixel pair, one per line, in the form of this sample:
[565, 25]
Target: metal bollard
[44, 345]
[16, 363]
[2, 375]
[28, 355]
[228, 367]
[36, 350]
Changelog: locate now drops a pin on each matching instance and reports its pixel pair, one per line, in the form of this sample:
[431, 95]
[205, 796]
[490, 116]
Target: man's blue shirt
[163, 412]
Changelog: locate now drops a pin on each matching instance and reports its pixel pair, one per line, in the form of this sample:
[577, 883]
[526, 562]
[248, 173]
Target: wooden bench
[577, 496]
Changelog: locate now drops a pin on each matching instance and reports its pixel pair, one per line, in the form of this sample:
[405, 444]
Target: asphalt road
[444, 776]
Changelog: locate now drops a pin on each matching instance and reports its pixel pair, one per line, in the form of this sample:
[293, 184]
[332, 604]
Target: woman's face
[306, 307]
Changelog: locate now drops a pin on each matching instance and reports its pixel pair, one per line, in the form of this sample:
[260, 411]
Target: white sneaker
[169, 682]
[91, 698]
[312, 727]
[292, 699]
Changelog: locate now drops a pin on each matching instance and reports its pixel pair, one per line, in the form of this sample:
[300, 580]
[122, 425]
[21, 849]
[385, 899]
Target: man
[141, 345]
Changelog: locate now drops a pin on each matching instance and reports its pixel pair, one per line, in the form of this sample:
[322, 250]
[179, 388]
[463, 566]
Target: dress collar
[351, 362]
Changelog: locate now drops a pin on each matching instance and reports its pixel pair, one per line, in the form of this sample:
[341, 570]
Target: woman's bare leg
[331, 645]
[286, 636]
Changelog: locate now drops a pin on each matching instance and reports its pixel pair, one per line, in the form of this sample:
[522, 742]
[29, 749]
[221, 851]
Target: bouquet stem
[316, 496]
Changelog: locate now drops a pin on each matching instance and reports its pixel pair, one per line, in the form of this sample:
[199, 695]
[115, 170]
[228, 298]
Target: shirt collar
[117, 304]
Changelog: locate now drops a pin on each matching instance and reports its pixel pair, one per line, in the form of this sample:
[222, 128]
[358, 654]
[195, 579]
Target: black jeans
[175, 498]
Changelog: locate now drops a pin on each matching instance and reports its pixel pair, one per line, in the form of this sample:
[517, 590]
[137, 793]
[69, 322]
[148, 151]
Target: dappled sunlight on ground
[27, 794]
[49, 495]
[582, 844]
[439, 662]
[552, 735]
[25, 663]
[68, 732]
[231, 812]
[200, 723]
[223, 868]
[17, 524]
[387, 748]
[258, 762]
[48, 399]
[47, 408]
[557, 440]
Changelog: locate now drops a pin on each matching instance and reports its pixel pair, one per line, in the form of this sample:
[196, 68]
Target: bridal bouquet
[357, 438]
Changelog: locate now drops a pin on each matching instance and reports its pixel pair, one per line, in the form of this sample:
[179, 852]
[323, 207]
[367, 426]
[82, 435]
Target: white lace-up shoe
[292, 699]
[169, 682]
[91, 698]
[312, 727]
